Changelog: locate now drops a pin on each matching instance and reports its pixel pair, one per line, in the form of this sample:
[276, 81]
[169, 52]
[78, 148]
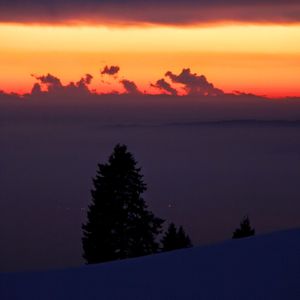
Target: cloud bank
[154, 12]
[186, 83]
[193, 84]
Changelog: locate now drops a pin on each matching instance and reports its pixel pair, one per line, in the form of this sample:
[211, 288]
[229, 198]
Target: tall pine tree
[245, 229]
[119, 225]
[175, 239]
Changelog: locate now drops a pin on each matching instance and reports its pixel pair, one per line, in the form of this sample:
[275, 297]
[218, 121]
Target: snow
[261, 267]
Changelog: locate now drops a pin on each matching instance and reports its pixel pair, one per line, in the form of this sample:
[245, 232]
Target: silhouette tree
[184, 240]
[245, 229]
[174, 239]
[118, 222]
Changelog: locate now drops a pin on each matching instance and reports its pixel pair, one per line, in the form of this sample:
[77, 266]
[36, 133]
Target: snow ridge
[261, 267]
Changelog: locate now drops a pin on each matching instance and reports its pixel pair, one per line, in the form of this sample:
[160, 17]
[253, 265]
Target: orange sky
[261, 59]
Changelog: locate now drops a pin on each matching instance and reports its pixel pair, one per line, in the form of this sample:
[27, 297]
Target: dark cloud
[53, 85]
[194, 84]
[156, 11]
[36, 89]
[112, 70]
[49, 80]
[87, 79]
[130, 87]
[164, 86]
[83, 83]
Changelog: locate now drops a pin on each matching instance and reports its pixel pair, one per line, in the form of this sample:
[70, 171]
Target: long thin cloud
[153, 12]
[130, 87]
[164, 86]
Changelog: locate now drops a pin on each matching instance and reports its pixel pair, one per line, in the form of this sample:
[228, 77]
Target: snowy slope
[262, 267]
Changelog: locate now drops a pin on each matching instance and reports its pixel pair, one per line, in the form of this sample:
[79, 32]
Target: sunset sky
[205, 94]
[246, 46]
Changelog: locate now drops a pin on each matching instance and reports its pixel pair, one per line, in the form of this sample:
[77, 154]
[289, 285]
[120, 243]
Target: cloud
[130, 87]
[112, 70]
[82, 84]
[151, 12]
[48, 79]
[36, 89]
[87, 79]
[194, 84]
[164, 86]
[53, 85]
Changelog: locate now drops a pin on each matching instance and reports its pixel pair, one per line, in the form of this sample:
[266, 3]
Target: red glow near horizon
[257, 59]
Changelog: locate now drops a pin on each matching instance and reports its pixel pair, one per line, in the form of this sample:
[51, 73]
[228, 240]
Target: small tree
[174, 239]
[184, 240]
[245, 229]
[119, 225]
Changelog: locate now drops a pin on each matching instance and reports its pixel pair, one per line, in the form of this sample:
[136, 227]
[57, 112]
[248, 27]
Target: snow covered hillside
[262, 267]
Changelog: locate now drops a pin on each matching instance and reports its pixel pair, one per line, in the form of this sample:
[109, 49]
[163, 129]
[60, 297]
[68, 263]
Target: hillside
[262, 267]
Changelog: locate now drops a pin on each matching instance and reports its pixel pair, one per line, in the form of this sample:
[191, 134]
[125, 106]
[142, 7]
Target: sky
[246, 46]
[204, 93]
